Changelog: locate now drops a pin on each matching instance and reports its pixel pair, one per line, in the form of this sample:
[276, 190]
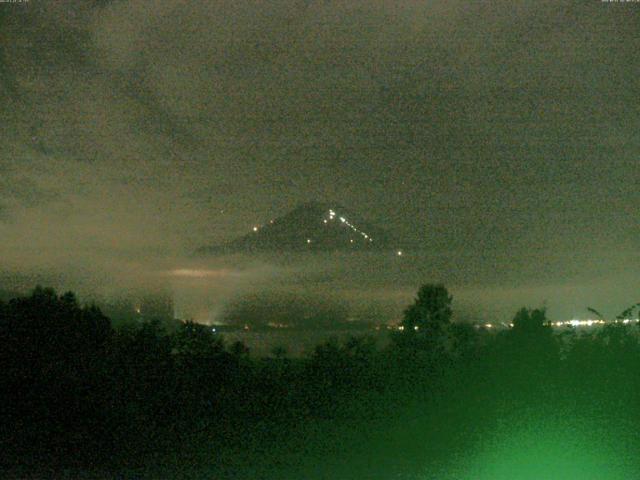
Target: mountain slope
[312, 227]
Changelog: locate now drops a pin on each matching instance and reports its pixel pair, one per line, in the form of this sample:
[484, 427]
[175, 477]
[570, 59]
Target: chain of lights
[590, 323]
[332, 216]
[568, 323]
[343, 220]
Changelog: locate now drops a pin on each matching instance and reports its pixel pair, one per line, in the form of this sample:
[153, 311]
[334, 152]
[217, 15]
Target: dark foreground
[444, 401]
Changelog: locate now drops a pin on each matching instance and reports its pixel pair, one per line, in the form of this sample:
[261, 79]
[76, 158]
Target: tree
[530, 321]
[431, 311]
[625, 314]
[197, 343]
[531, 348]
[239, 350]
[53, 372]
[423, 339]
[279, 352]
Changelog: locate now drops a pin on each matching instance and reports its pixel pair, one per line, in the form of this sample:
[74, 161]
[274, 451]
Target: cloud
[137, 131]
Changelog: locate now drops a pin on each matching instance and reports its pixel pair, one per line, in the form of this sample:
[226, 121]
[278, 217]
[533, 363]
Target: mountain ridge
[309, 227]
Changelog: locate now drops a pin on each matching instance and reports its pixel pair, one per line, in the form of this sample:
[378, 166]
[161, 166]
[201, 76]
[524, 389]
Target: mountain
[310, 227]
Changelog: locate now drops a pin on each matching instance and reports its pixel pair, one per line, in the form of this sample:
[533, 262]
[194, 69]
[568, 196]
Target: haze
[499, 141]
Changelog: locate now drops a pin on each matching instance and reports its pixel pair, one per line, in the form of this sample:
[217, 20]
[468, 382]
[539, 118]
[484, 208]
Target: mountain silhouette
[310, 227]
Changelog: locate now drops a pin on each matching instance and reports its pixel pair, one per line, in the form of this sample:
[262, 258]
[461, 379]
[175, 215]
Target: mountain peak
[312, 226]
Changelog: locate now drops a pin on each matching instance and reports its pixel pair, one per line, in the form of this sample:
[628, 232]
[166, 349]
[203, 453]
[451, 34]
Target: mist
[494, 144]
[134, 134]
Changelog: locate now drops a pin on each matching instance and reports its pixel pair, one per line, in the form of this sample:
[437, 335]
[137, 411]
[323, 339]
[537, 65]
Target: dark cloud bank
[500, 139]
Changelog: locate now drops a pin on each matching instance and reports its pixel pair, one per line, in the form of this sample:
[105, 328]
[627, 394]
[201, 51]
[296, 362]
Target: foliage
[431, 311]
[78, 394]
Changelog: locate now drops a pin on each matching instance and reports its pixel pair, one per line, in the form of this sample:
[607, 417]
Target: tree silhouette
[279, 352]
[528, 352]
[52, 358]
[626, 313]
[239, 350]
[431, 311]
[197, 342]
[530, 322]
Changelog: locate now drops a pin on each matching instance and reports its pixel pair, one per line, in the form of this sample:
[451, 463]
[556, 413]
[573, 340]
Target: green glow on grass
[547, 449]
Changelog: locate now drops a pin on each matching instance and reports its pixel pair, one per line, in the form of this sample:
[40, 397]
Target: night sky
[500, 139]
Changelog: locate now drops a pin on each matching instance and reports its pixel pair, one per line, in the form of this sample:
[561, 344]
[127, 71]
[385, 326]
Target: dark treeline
[142, 402]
